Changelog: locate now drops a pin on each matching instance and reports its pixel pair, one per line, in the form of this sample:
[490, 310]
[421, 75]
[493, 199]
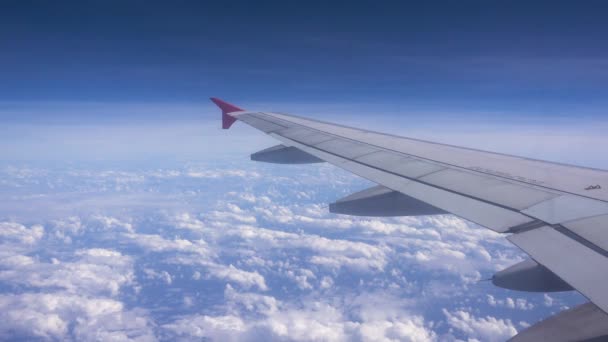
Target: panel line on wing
[514, 180]
[574, 236]
[341, 161]
[491, 189]
[293, 116]
[413, 179]
[484, 214]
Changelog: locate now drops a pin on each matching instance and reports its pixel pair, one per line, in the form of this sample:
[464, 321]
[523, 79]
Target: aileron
[564, 256]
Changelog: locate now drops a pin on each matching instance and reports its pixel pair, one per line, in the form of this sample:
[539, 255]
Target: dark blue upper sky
[454, 54]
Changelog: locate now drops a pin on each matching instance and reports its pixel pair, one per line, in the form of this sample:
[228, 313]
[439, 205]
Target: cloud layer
[233, 253]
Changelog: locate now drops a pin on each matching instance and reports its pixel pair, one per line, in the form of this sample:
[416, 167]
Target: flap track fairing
[380, 201]
[281, 154]
[530, 276]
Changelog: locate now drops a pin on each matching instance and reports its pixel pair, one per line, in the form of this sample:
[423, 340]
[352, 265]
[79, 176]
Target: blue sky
[114, 80]
[540, 58]
[241, 251]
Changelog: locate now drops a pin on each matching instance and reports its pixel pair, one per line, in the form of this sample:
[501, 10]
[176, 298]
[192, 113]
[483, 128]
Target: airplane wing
[556, 213]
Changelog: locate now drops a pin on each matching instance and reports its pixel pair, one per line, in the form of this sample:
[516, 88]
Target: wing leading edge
[536, 201]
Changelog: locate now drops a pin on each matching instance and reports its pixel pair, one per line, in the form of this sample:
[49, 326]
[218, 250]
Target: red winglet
[226, 108]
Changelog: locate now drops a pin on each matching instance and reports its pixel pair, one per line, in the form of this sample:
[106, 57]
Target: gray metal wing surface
[556, 213]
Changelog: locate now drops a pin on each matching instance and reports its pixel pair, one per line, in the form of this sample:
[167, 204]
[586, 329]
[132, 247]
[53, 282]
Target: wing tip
[227, 120]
